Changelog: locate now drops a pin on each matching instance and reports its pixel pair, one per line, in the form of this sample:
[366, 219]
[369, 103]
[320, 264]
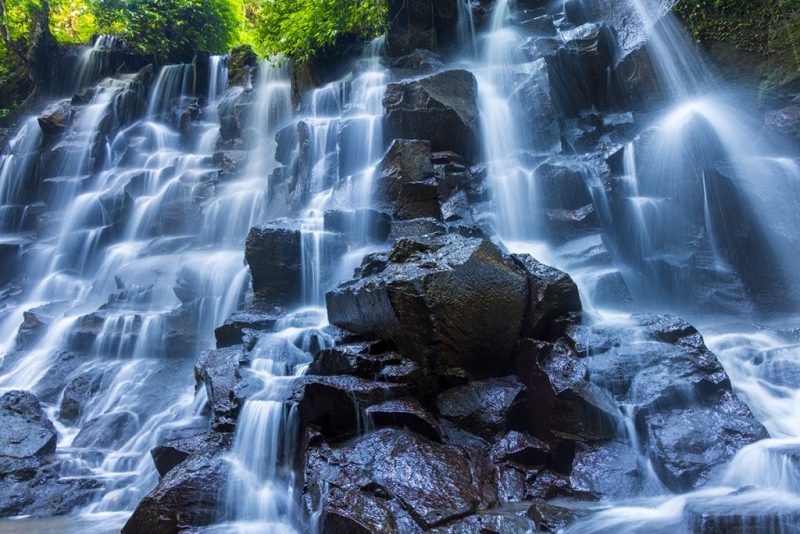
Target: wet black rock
[567, 402]
[520, 448]
[579, 69]
[484, 408]
[448, 301]
[441, 108]
[420, 24]
[404, 413]
[539, 106]
[690, 444]
[188, 496]
[785, 121]
[394, 477]
[77, 394]
[218, 372]
[369, 224]
[243, 327]
[26, 434]
[172, 453]
[53, 120]
[336, 404]
[406, 187]
[274, 252]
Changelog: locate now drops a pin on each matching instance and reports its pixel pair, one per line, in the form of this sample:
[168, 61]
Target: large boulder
[274, 252]
[188, 496]
[441, 108]
[539, 107]
[218, 371]
[396, 479]
[447, 301]
[53, 120]
[486, 407]
[406, 187]
[26, 434]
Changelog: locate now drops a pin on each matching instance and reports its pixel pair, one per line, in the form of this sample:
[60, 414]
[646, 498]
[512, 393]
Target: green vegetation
[172, 30]
[299, 28]
[769, 28]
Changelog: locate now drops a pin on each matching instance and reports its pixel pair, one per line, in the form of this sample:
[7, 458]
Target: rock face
[25, 433]
[188, 495]
[441, 109]
[420, 24]
[449, 300]
[274, 253]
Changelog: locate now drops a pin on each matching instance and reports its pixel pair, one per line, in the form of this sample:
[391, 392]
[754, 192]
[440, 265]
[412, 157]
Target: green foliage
[171, 29]
[299, 28]
[770, 28]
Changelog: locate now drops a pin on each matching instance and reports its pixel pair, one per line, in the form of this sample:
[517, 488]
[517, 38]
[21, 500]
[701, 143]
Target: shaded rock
[371, 224]
[441, 108]
[189, 495]
[420, 60]
[168, 455]
[567, 403]
[274, 252]
[518, 447]
[552, 293]
[25, 431]
[485, 407]
[78, 392]
[240, 327]
[432, 483]
[53, 121]
[218, 371]
[406, 188]
[404, 413]
[336, 404]
[109, 431]
[417, 24]
[446, 301]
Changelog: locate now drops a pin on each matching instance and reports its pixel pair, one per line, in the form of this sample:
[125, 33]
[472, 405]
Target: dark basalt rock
[404, 413]
[218, 371]
[396, 477]
[53, 121]
[689, 444]
[420, 24]
[188, 496]
[79, 391]
[274, 253]
[441, 108]
[520, 448]
[449, 301]
[26, 434]
[373, 224]
[484, 408]
[242, 327]
[172, 453]
[785, 121]
[539, 106]
[336, 404]
[552, 293]
[405, 187]
[567, 403]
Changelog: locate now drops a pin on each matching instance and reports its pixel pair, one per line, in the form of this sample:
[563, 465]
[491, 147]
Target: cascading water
[342, 123]
[133, 287]
[681, 223]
